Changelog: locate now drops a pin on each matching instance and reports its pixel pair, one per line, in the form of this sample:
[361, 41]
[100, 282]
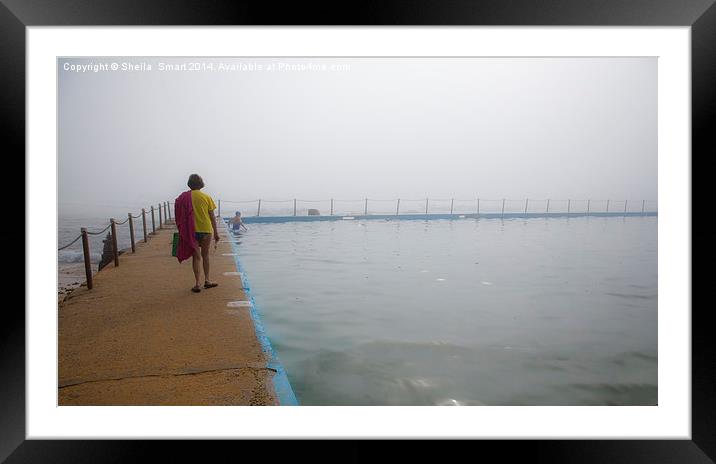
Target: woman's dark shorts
[200, 235]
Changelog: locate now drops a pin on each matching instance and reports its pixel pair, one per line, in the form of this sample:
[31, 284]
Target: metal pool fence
[428, 206]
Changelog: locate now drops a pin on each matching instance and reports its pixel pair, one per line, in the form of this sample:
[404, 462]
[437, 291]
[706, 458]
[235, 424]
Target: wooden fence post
[115, 251]
[131, 231]
[154, 230]
[86, 252]
[144, 224]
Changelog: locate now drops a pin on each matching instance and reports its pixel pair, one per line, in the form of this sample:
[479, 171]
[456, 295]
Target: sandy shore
[141, 337]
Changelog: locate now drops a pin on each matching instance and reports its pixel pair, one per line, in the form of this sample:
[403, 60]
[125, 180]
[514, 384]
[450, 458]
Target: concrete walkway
[141, 337]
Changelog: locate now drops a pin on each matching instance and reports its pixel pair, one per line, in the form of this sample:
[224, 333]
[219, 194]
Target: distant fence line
[84, 234]
[456, 206]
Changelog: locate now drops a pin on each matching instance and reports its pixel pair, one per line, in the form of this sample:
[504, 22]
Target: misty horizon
[382, 128]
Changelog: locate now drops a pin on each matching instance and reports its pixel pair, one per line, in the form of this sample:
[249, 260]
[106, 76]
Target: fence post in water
[547, 206]
[219, 207]
[365, 212]
[258, 211]
[526, 203]
[131, 231]
[607, 206]
[154, 230]
[588, 201]
[144, 224]
[569, 206]
[426, 206]
[625, 206]
[166, 216]
[397, 208]
[86, 252]
[159, 207]
[114, 242]
[294, 206]
[503, 207]
[331, 206]
[643, 202]
[452, 201]
[478, 206]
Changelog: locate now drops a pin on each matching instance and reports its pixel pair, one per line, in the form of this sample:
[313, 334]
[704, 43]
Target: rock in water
[107, 253]
[313, 212]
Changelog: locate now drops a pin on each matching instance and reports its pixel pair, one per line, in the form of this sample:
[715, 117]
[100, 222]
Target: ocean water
[540, 311]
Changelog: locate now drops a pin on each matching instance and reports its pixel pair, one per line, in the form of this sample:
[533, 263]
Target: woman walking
[194, 213]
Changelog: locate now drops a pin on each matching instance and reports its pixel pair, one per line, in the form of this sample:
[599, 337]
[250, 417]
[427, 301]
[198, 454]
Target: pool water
[540, 311]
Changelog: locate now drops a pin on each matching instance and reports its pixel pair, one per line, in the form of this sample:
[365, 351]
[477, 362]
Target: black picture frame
[16, 15]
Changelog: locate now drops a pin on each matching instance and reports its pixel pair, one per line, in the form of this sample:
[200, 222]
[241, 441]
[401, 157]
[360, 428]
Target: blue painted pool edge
[281, 385]
[265, 219]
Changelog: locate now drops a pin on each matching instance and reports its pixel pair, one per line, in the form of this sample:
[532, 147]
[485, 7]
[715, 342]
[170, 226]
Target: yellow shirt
[203, 206]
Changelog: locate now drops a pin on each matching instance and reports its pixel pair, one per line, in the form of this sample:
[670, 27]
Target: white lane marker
[239, 304]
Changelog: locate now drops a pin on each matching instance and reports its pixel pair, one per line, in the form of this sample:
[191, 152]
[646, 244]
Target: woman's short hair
[195, 182]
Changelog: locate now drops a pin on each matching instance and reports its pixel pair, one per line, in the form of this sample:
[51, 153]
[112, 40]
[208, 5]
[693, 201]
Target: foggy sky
[385, 128]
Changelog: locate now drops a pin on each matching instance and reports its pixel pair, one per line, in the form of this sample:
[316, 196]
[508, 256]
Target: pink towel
[184, 217]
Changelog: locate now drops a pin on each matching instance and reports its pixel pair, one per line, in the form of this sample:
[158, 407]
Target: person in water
[236, 222]
[195, 219]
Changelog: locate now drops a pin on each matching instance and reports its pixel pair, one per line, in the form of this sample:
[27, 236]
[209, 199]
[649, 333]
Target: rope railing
[99, 232]
[452, 206]
[164, 213]
[71, 243]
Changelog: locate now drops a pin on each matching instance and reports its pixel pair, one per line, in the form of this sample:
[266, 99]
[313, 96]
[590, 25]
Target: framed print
[387, 214]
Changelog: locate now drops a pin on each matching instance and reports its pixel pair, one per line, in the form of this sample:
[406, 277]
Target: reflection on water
[466, 312]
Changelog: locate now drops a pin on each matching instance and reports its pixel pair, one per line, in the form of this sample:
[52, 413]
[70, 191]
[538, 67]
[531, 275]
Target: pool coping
[281, 385]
